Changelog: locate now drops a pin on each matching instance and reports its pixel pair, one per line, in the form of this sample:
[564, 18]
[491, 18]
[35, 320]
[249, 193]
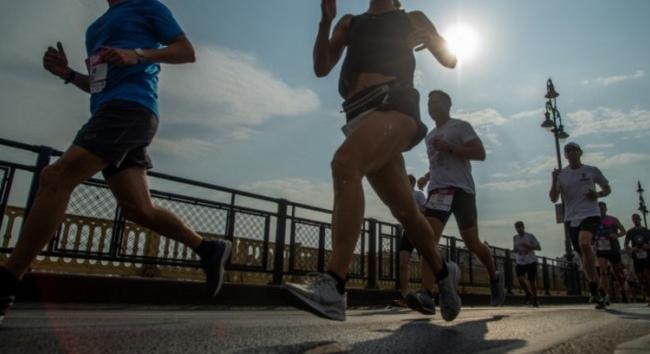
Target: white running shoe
[321, 295]
[450, 301]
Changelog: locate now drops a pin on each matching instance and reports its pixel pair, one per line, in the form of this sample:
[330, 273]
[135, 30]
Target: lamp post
[553, 123]
[642, 207]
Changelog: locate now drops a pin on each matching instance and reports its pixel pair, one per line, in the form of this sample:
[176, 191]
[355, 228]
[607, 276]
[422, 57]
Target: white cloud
[616, 79]
[608, 120]
[535, 113]
[512, 185]
[230, 87]
[603, 162]
[484, 122]
[598, 146]
[185, 148]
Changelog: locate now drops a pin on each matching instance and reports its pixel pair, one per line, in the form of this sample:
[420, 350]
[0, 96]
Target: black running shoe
[213, 265]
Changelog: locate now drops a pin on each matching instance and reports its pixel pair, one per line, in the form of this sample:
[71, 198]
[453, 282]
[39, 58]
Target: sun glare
[463, 41]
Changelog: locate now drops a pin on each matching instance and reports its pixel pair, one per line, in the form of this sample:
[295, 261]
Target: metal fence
[273, 239]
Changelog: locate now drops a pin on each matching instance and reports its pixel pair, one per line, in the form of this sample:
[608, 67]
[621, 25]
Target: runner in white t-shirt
[524, 247]
[451, 147]
[577, 184]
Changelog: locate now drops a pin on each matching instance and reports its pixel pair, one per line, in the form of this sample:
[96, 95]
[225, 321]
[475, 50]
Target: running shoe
[450, 301]
[8, 287]
[498, 291]
[320, 294]
[401, 302]
[213, 265]
[422, 302]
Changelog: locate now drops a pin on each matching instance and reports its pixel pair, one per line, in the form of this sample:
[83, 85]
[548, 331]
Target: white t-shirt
[420, 197]
[448, 170]
[574, 185]
[520, 252]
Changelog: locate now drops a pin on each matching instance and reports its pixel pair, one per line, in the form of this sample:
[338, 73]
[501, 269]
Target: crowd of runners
[125, 47]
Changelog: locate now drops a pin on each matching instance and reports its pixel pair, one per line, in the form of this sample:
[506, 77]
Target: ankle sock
[340, 283]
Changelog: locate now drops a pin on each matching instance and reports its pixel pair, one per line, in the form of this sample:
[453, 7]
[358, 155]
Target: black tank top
[378, 44]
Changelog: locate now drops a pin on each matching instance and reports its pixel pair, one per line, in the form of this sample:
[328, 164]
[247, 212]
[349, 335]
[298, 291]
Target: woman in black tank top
[382, 110]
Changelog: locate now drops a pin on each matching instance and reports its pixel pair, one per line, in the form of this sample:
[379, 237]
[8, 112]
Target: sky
[250, 114]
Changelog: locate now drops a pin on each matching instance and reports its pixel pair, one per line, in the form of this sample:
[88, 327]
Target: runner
[631, 283]
[524, 247]
[125, 47]
[451, 147]
[637, 241]
[383, 120]
[406, 248]
[577, 184]
[608, 252]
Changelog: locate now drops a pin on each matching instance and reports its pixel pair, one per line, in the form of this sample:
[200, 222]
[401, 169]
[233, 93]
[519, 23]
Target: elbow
[320, 71]
[452, 62]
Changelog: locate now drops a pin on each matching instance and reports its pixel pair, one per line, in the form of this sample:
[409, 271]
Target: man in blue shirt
[125, 47]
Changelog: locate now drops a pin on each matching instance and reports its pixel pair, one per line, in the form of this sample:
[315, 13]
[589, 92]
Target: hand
[55, 61]
[556, 174]
[440, 144]
[119, 57]
[592, 195]
[328, 9]
[422, 182]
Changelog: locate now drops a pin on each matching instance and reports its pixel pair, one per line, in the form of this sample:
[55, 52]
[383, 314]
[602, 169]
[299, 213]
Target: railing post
[545, 278]
[321, 248]
[42, 161]
[399, 234]
[372, 254]
[507, 264]
[280, 237]
[452, 250]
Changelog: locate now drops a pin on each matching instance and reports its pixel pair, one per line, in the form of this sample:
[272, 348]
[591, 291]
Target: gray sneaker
[450, 302]
[422, 302]
[498, 291]
[321, 295]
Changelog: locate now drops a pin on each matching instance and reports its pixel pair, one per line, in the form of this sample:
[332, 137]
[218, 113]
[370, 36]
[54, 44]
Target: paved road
[114, 329]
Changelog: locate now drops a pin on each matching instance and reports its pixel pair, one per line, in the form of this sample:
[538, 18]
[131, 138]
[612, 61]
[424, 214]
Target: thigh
[392, 186]
[378, 141]
[78, 164]
[574, 236]
[464, 209]
[131, 188]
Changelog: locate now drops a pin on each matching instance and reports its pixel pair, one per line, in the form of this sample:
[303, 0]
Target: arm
[425, 179]
[425, 33]
[621, 229]
[56, 62]
[472, 150]
[178, 51]
[554, 193]
[328, 51]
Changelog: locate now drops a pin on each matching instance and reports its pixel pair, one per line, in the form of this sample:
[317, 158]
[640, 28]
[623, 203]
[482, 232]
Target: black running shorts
[590, 224]
[463, 207]
[528, 270]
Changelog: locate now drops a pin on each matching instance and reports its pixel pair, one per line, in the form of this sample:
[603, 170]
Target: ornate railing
[273, 238]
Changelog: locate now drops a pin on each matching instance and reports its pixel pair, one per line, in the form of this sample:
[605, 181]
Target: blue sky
[250, 114]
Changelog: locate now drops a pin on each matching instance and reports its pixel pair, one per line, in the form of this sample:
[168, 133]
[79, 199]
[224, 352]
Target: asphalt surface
[129, 329]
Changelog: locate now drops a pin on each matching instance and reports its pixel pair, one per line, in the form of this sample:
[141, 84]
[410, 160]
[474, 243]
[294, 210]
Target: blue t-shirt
[131, 24]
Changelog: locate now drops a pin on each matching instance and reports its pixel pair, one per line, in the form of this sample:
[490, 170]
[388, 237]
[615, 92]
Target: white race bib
[441, 199]
[97, 72]
[604, 244]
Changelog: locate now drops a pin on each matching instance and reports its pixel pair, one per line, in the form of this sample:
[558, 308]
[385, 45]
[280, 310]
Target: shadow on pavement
[415, 336]
[629, 315]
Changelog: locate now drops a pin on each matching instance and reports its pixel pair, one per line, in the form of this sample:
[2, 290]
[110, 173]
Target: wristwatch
[140, 53]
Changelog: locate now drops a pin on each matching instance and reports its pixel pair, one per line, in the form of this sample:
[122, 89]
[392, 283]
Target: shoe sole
[224, 258]
[415, 304]
[297, 292]
[454, 273]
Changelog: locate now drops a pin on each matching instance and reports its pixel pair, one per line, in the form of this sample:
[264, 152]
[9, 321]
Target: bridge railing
[273, 239]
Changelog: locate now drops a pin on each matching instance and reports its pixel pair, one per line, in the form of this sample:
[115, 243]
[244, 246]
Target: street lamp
[642, 207]
[553, 123]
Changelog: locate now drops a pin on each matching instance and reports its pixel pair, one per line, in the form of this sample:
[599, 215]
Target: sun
[463, 41]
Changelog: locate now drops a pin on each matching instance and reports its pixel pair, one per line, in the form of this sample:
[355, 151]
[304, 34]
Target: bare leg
[131, 189]
[428, 277]
[603, 276]
[404, 265]
[588, 258]
[373, 149]
[523, 282]
[57, 182]
[470, 237]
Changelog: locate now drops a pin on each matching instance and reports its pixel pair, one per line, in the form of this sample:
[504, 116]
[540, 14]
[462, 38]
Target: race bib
[641, 254]
[441, 199]
[604, 244]
[97, 72]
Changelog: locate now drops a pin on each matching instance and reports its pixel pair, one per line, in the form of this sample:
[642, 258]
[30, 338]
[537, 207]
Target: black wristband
[71, 76]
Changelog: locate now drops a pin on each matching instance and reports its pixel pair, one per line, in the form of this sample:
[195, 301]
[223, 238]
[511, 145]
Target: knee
[141, 215]
[474, 246]
[53, 179]
[345, 169]
[405, 215]
[585, 247]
